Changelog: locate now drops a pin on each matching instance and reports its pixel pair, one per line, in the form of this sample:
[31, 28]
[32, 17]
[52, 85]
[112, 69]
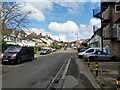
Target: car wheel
[113, 59]
[91, 58]
[79, 56]
[18, 60]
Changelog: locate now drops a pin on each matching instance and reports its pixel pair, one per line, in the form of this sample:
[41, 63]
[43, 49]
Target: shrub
[79, 48]
[5, 46]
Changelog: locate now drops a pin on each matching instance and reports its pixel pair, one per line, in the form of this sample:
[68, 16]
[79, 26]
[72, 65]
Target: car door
[99, 55]
[28, 54]
[102, 56]
[24, 54]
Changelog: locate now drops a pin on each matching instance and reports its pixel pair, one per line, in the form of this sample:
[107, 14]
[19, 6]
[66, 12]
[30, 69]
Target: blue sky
[62, 20]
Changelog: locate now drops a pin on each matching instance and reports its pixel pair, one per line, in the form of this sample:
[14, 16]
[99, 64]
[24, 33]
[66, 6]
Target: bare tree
[13, 16]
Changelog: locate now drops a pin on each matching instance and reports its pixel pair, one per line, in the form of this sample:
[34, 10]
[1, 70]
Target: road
[34, 74]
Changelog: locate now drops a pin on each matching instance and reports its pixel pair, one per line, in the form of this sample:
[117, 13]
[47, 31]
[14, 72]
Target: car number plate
[5, 60]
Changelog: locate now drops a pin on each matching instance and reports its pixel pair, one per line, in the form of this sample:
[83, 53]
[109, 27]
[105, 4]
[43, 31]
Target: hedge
[5, 46]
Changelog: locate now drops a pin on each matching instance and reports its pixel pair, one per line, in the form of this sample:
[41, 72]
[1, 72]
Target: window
[8, 38]
[13, 49]
[99, 53]
[118, 30]
[117, 8]
[11, 38]
[90, 51]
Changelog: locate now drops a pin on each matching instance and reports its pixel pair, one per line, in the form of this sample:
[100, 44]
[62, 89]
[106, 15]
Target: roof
[50, 38]
[32, 35]
[40, 36]
[7, 31]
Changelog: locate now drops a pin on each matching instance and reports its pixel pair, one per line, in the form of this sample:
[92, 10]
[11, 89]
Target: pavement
[84, 70]
[79, 76]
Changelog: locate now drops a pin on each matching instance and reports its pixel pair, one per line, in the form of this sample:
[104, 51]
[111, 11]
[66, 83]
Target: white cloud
[71, 28]
[67, 27]
[38, 9]
[37, 31]
[94, 21]
[86, 31]
[67, 30]
[61, 37]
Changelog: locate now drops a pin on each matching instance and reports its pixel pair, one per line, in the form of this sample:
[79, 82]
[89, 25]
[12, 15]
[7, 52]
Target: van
[91, 50]
[17, 54]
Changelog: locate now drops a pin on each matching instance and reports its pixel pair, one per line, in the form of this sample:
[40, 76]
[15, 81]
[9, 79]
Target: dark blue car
[17, 54]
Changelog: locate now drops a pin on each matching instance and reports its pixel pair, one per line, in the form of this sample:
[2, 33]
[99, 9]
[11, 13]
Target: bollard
[88, 63]
[118, 83]
[96, 69]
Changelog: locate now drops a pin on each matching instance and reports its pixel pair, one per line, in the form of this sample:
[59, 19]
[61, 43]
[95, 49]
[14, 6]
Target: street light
[77, 39]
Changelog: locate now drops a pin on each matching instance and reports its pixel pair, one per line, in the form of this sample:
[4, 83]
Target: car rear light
[86, 55]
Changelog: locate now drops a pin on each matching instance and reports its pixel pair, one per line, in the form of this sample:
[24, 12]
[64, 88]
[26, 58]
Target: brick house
[110, 25]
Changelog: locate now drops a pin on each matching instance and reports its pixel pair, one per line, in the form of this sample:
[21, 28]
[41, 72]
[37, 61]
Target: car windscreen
[82, 50]
[43, 49]
[13, 49]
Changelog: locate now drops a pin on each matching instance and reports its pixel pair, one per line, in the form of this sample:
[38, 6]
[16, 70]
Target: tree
[13, 16]
[84, 44]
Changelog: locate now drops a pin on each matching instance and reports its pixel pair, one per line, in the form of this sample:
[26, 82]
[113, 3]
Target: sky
[62, 20]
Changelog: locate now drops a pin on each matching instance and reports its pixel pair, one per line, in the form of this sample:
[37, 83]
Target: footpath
[79, 76]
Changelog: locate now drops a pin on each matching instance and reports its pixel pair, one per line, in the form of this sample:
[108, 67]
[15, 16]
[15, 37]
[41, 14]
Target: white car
[53, 50]
[90, 50]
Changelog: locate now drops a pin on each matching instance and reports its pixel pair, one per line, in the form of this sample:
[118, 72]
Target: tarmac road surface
[34, 74]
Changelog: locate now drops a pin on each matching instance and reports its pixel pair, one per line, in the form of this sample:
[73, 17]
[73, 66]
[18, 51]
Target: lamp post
[77, 39]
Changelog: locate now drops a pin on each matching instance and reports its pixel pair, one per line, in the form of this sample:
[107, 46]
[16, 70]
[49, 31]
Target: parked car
[17, 54]
[82, 50]
[53, 50]
[90, 50]
[98, 55]
[45, 51]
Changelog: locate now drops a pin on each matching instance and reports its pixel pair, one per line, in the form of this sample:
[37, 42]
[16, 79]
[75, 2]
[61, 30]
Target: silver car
[98, 55]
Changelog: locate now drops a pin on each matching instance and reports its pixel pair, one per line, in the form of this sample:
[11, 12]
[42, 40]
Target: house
[21, 38]
[94, 41]
[8, 36]
[109, 13]
[33, 40]
[13, 37]
[46, 39]
[55, 42]
[49, 41]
